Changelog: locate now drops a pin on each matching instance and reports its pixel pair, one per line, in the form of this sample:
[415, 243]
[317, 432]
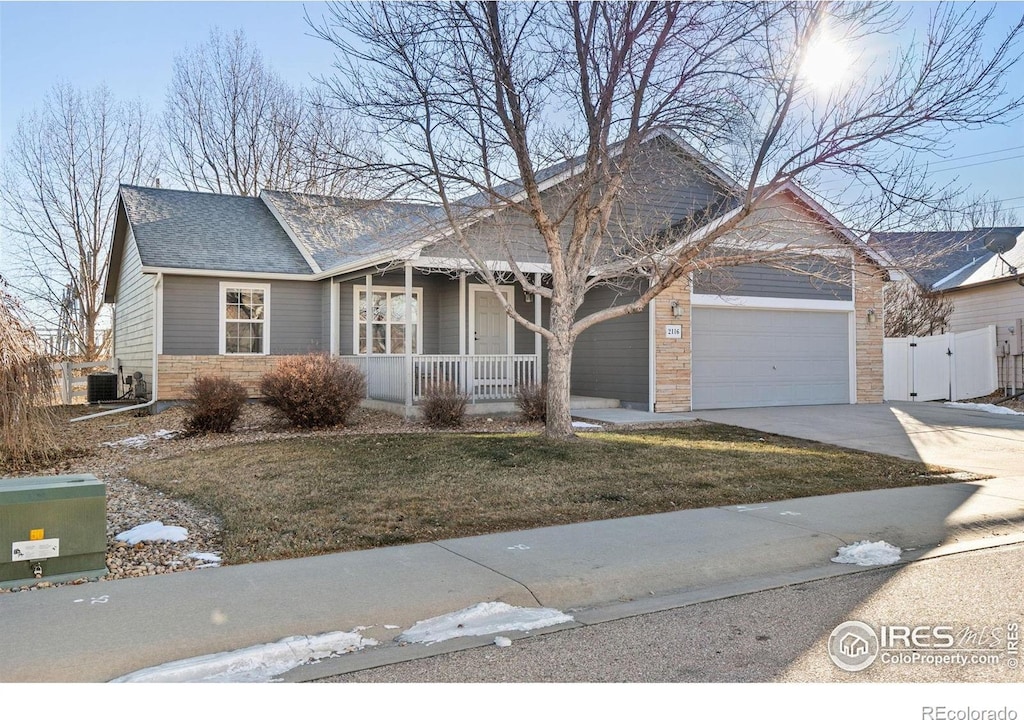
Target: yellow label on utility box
[37, 534]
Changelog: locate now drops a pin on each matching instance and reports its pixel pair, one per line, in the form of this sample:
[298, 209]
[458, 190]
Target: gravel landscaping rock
[94, 447]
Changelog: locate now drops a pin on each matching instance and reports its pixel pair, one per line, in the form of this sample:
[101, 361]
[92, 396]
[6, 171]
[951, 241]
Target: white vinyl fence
[954, 366]
[72, 381]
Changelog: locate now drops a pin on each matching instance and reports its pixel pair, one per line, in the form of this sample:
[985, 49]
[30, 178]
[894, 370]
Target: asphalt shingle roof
[207, 231]
[930, 257]
[338, 231]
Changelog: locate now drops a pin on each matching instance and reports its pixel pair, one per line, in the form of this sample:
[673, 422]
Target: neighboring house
[215, 284]
[982, 272]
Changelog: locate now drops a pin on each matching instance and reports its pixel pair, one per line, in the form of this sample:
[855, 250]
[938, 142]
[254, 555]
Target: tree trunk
[559, 370]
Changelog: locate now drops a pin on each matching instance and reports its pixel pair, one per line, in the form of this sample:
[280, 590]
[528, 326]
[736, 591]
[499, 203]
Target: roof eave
[121, 224]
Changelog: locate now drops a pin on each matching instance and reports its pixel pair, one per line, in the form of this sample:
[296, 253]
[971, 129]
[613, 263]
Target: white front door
[490, 332]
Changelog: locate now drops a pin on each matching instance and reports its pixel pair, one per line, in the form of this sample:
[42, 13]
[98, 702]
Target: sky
[131, 46]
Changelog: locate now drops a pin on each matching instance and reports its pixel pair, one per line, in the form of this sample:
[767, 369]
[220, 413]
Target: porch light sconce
[528, 295]
[677, 310]
[871, 315]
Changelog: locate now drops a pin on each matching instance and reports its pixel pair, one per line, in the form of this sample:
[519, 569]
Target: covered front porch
[414, 327]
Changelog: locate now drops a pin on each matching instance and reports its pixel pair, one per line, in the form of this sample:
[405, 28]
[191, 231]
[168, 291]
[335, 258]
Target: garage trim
[770, 303]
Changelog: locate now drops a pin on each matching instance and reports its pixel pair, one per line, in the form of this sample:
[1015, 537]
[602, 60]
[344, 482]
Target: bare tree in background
[911, 312]
[233, 126]
[61, 175]
[970, 212]
[474, 100]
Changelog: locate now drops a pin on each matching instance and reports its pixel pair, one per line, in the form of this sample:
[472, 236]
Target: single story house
[214, 284]
[982, 272]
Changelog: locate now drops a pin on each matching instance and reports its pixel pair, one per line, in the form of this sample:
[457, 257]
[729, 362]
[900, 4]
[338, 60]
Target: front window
[244, 319]
[385, 319]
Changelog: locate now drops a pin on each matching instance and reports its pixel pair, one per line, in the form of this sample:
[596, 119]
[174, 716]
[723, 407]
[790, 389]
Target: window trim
[223, 319]
[417, 293]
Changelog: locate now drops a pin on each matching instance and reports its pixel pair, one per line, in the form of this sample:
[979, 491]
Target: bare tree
[911, 312]
[965, 211]
[233, 126]
[474, 100]
[61, 174]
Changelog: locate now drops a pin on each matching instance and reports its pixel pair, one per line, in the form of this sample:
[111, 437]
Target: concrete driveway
[971, 440]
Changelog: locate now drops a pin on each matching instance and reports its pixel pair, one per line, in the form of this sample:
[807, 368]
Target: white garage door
[763, 358]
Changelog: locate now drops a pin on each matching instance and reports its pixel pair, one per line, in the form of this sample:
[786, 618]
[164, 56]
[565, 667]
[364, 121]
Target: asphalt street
[771, 636]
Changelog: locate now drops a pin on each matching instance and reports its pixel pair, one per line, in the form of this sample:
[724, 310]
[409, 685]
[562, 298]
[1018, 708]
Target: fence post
[66, 383]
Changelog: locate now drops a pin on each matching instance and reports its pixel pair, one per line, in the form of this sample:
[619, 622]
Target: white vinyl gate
[954, 366]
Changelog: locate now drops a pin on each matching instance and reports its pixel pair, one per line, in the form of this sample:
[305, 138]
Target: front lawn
[310, 495]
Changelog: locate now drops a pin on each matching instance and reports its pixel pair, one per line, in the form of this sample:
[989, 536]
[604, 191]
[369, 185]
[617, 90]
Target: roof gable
[208, 231]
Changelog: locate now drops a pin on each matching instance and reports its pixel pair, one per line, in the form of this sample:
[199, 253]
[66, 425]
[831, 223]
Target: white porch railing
[482, 377]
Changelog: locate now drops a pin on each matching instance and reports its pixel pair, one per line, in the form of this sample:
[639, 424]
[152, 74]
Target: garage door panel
[766, 358]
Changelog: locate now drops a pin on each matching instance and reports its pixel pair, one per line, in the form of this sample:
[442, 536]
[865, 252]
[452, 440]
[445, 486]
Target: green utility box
[52, 529]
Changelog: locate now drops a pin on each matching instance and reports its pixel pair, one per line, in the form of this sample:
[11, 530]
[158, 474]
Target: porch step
[581, 402]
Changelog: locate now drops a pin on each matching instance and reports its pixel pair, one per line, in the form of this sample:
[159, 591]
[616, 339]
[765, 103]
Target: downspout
[157, 332]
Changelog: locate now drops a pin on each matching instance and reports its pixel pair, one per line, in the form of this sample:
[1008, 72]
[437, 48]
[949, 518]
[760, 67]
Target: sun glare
[826, 64]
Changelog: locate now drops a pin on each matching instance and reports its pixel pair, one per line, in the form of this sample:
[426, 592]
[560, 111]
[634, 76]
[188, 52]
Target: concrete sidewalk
[597, 571]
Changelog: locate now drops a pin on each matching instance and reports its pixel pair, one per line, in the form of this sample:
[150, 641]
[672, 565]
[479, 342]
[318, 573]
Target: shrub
[214, 404]
[532, 401]
[444, 405]
[313, 390]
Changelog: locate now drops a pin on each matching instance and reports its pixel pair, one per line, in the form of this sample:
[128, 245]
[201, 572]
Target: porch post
[335, 336]
[463, 363]
[369, 315]
[462, 313]
[369, 332]
[537, 338]
[408, 339]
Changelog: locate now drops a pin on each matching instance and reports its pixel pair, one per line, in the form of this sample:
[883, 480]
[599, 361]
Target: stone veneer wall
[868, 289]
[176, 372]
[673, 356]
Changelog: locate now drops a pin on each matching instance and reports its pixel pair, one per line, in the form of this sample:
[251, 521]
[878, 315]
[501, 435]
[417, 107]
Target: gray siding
[133, 313]
[296, 318]
[663, 187]
[191, 322]
[448, 318]
[611, 359]
[764, 281]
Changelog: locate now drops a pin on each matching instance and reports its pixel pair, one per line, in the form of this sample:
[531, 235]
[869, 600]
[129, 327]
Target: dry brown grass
[27, 425]
[311, 495]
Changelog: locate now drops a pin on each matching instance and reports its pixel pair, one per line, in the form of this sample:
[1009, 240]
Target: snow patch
[867, 553]
[579, 424]
[141, 441]
[482, 619]
[983, 407]
[208, 559]
[259, 663]
[154, 531]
